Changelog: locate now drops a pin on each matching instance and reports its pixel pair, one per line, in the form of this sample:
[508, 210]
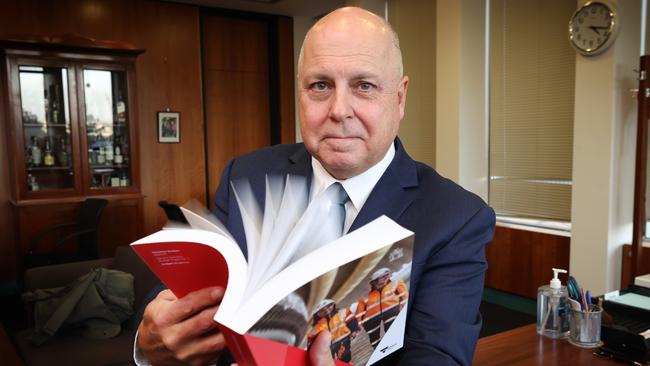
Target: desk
[523, 346]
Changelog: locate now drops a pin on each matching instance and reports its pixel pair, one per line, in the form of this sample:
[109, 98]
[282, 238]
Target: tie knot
[341, 194]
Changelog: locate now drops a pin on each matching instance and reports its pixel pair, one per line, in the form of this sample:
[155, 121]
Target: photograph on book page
[362, 303]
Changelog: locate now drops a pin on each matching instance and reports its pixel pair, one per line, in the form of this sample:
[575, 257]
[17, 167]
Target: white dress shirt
[358, 187]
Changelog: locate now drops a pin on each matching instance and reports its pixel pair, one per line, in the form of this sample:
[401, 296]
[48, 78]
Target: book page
[199, 217]
[267, 235]
[377, 234]
[365, 326]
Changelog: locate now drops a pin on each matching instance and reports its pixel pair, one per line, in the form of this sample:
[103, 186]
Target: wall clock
[593, 27]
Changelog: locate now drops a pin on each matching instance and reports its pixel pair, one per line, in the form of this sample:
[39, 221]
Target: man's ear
[402, 88]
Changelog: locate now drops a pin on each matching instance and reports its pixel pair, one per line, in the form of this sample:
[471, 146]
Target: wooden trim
[639, 217]
[49, 201]
[67, 42]
[519, 261]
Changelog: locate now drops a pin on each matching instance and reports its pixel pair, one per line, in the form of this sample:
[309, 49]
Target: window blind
[532, 78]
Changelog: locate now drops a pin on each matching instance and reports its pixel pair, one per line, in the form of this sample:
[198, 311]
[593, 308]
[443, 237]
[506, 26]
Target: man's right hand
[181, 331]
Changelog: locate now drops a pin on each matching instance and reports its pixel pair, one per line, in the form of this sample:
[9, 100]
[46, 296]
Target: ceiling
[309, 8]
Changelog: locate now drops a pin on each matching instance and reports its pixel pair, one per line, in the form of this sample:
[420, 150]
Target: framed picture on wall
[169, 127]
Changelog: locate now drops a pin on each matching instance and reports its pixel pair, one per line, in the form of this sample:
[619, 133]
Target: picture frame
[169, 127]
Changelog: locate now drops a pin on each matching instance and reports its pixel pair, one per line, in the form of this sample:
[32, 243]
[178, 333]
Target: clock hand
[595, 29]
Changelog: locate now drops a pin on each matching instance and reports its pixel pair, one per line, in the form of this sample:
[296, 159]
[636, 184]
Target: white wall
[413, 20]
[461, 114]
[300, 27]
[603, 155]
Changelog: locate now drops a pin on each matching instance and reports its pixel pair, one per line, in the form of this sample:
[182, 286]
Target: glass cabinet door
[45, 109]
[107, 128]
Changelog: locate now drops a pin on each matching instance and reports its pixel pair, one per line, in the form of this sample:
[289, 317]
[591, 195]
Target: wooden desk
[523, 346]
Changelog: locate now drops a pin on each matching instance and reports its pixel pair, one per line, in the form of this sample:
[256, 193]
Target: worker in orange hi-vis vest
[342, 323]
[384, 301]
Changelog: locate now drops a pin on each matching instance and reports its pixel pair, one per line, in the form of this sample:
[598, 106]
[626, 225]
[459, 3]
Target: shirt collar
[358, 187]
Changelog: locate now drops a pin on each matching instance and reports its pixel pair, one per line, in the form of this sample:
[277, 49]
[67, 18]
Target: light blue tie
[342, 199]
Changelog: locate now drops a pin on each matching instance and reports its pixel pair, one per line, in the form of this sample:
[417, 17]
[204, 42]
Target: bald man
[352, 95]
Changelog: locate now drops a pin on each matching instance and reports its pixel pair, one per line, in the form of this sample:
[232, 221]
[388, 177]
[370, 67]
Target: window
[532, 78]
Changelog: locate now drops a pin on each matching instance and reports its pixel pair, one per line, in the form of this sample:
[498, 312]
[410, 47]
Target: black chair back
[173, 212]
[84, 232]
[90, 213]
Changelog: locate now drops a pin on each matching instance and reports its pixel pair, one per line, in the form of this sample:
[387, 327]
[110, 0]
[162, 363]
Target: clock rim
[612, 29]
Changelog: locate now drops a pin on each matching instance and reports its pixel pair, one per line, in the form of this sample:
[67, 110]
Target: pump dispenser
[553, 308]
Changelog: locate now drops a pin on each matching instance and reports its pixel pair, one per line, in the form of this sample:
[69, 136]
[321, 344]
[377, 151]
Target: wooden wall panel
[168, 75]
[286, 81]
[519, 261]
[235, 44]
[237, 90]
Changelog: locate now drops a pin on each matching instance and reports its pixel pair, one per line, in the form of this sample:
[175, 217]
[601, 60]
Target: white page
[367, 239]
[250, 213]
[292, 203]
[203, 220]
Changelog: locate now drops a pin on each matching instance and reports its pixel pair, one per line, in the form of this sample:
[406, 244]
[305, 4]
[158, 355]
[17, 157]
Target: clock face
[591, 28]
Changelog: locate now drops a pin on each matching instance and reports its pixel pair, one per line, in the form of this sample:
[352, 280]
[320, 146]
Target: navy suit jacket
[451, 226]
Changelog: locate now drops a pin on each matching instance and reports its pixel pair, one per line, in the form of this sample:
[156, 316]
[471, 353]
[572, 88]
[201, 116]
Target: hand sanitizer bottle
[553, 308]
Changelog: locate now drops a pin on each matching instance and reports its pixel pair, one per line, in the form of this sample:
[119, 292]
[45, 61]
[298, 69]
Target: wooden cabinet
[71, 129]
[72, 122]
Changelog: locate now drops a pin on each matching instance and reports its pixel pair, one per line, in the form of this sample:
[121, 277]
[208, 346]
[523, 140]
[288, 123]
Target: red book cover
[251, 350]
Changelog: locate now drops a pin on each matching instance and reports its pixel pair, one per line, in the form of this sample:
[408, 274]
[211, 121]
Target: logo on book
[396, 254]
[387, 348]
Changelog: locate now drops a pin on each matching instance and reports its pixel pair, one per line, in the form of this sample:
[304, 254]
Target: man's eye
[365, 86]
[319, 86]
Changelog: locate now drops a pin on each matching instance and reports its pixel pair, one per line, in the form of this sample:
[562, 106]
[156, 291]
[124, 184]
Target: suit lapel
[394, 191]
[300, 164]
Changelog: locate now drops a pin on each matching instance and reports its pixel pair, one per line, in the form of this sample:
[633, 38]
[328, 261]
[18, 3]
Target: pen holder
[585, 327]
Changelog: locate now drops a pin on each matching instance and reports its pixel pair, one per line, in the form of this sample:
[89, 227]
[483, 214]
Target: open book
[355, 285]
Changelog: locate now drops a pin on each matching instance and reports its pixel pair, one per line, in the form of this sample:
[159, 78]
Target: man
[352, 98]
[384, 301]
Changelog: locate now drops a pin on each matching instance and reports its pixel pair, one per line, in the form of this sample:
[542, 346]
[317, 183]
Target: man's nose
[341, 106]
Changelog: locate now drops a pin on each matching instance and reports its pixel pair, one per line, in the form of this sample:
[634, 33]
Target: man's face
[352, 97]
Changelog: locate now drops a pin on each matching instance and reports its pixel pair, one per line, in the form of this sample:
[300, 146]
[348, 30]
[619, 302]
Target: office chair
[85, 226]
[173, 212]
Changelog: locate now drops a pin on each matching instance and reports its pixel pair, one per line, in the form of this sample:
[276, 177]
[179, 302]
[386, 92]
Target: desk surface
[523, 346]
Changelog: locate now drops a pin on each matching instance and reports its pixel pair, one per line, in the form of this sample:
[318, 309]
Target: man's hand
[181, 331]
[319, 352]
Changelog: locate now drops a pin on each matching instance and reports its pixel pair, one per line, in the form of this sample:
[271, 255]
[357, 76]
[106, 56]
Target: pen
[588, 300]
[585, 307]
